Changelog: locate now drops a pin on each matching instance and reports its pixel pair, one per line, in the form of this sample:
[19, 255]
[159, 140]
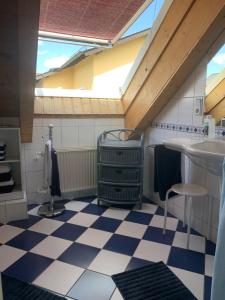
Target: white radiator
[77, 169]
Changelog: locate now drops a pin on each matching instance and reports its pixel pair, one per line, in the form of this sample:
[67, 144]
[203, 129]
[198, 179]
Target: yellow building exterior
[101, 69]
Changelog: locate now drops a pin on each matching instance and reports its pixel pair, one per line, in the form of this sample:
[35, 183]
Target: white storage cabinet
[13, 205]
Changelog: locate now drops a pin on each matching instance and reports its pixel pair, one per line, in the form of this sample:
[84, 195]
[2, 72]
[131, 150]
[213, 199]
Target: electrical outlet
[198, 106]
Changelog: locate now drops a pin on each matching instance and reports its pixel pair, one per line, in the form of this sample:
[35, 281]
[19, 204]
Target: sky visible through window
[217, 63]
[53, 54]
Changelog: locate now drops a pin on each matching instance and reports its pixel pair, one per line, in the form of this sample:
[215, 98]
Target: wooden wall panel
[18, 51]
[66, 106]
[28, 24]
[9, 84]
[201, 26]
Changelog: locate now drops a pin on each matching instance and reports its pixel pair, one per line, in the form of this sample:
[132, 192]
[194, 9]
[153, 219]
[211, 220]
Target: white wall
[180, 111]
[66, 133]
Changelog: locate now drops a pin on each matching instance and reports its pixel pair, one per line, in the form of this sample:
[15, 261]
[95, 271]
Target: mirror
[215, 87]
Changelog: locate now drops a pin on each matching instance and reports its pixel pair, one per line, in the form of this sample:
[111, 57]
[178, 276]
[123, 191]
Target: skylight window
[95, 69]
[53, 55]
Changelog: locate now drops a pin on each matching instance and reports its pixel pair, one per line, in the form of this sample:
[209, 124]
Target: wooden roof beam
[195, 33]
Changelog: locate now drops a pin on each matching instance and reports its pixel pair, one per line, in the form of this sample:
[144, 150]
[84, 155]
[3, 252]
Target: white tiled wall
[180, 111]
[66, 133]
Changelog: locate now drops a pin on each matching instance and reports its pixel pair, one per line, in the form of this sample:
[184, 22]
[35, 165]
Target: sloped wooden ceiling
[215, 101]
[186, 34]
[98, 19]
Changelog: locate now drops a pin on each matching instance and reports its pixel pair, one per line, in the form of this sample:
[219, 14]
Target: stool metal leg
[165, 211]
[189, 221]
[185, 207]
[209, 217]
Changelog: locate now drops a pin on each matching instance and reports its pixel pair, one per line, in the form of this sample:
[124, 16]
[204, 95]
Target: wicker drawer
[120, 156]
[119, 193]
[119, 174]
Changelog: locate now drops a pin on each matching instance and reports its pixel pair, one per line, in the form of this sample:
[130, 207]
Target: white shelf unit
[13, 205]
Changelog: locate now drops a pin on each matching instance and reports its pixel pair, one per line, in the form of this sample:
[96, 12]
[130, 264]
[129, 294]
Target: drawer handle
[119, 152]
[118, 190]
[118, 171]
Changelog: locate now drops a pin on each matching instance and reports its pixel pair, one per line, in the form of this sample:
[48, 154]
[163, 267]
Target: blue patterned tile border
[220, 131]
[178, 127]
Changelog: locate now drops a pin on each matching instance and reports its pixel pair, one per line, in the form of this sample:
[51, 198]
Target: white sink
[207, 153]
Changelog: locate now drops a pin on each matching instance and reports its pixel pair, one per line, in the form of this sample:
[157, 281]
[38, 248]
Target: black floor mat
[14, 289]
[153, 282]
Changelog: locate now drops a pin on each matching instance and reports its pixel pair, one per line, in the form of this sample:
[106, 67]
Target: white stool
[189, 191]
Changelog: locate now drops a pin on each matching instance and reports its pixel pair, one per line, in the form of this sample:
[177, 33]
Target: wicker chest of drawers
[120, 167]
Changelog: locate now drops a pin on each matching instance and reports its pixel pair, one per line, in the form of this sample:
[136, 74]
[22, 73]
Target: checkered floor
[75, 254]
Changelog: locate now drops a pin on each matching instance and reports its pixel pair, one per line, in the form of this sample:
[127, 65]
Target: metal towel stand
[51, 209]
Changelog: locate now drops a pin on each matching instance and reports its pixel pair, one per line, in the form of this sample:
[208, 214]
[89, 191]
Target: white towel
[47, 164]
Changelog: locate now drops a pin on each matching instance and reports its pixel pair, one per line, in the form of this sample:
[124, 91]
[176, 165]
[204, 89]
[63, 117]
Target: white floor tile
[109, 263]
[116, 213]
[83, 219]
[116, 295]
[152, 251]
[148, 208]
[46, 226]
[95, 201]
[8, 232]
[197, 243]
[34, 211]
[59, 277]
[158, 221]
[8, 256]
[51, 247]
[132, 229]
[193, 281]
[94, 237]
[76, 205]
[209, 261]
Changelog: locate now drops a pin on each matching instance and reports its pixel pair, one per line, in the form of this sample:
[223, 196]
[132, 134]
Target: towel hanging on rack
[55, 182]
[47, 164]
